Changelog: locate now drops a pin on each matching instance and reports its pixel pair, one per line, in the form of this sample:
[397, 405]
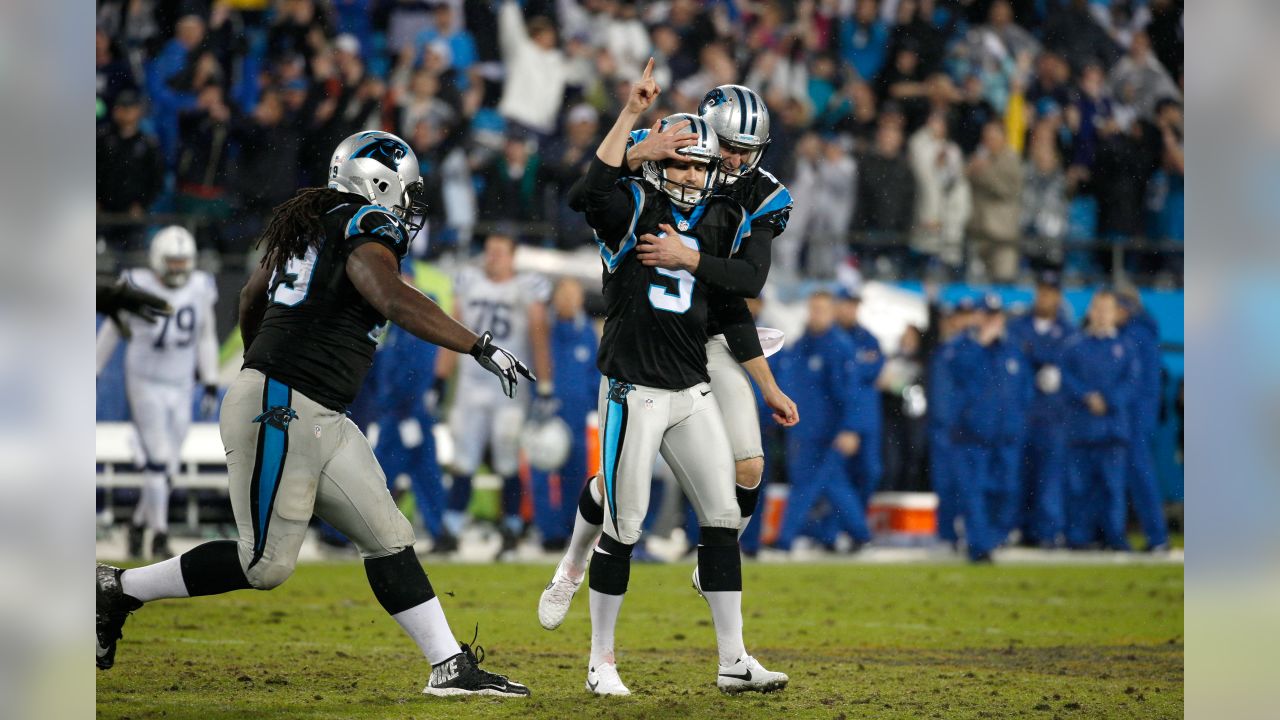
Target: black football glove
[115, 297]
[500, 363]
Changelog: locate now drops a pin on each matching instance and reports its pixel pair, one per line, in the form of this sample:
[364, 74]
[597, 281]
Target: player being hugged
[164, 356]
[655, 395]
[309, 315]
[740, 120]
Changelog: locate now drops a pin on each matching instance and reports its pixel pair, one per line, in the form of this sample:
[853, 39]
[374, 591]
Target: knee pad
[398, 581]
[592, 511]
[267, 574]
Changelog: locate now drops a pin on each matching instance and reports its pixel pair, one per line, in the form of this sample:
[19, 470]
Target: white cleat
[748, 675]
[553, 606]
[603, 680]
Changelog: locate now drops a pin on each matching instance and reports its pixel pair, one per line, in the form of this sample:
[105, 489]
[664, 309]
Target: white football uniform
[162, 362]
[482, 417]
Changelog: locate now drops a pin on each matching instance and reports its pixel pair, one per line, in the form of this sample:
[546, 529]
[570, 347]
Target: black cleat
[444, 544]
[510, 543]
[113, 609]
[461, 675]
[160, 547]
[135, 542]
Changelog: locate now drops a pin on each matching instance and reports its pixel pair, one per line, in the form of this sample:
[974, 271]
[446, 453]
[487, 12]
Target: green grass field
[859, 641]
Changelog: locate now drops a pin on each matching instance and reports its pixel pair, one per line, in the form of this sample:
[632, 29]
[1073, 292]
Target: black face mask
[416, 212]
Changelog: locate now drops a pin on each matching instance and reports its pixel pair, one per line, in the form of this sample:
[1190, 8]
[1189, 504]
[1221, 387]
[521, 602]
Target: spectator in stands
[535, 70]
[1166, 194]
[1042, 335]
[1138, 327]
[567, 158]
[1051, 80]
[886, 187]
[300, 28]
[1142, 75]
[1044, 195]
[130, 169]
[943, 201]
[114, 73]
[864, 40]
[513, 182]
[444, 29]
[866, 465]
[267, 168]
[1072, 32]
[1122, 166]
[972, 113]
[903, 81]
[819, 449]
[1100, 376]
[166, 100]
[991, 389]
[205, 134]
[1165, 31]
[915, 27]
[995, 174]
[1090, 108]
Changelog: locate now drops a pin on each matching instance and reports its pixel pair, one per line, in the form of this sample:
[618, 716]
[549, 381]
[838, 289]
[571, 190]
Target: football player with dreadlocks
[310, 315]
[740, 120]
[655, 395]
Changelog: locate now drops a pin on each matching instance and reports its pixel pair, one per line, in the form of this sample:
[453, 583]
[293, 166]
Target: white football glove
[500, 363]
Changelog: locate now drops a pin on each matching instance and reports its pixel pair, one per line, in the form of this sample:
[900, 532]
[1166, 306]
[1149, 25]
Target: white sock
[726, 613]
[155, 496]
[604, 619]
[583, 540]
[428, 627]
[155, 582]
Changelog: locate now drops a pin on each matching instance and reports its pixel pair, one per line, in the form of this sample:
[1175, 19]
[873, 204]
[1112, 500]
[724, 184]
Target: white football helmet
[546, 443]
[738, 116]
[383, 169]
[705, 151]
[173, 255]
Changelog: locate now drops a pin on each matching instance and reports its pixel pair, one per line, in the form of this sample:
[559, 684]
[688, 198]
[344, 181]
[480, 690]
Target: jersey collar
[684, 222]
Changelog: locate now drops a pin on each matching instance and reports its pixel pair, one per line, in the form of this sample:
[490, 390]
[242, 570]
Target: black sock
[748, 498]
[213, 568]
[719, 562]
[611, 569]
[398, 581]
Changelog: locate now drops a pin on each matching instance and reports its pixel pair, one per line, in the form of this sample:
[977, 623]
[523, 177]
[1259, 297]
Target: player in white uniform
[514, 307]
[161, 364]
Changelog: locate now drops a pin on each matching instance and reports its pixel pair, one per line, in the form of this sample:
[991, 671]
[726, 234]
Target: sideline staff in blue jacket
[1100, 375]
[991, 386]
[818, 371]
[1042, 336]
[867, 464]
[1139, 328]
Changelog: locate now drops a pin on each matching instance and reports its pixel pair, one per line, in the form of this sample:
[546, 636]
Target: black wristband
[482, 342]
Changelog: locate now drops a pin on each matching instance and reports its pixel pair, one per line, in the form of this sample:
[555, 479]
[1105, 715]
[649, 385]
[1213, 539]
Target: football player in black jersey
[740, 120]
[310, 316]
[655, 394]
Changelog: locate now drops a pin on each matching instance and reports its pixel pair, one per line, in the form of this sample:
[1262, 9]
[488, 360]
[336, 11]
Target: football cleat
[461, 675]
[113, 609]
[553, 606]
[135, 542]
[748, 675]
[603, 680]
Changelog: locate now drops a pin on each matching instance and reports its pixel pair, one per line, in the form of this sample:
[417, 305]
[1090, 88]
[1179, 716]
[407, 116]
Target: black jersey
[655, 330]
[318, 334]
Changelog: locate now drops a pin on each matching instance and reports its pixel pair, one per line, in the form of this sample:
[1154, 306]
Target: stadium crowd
[959, 137]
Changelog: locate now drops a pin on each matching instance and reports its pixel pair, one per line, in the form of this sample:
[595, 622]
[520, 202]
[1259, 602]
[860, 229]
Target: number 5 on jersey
[680, 298]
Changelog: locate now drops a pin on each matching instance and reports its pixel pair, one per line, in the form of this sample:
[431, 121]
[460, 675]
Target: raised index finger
[648, 70]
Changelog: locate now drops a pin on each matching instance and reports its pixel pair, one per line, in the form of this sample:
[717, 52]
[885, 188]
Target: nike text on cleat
[461, 675]
[553, 606]
[603, 680]
[113, 609]
[748, 675]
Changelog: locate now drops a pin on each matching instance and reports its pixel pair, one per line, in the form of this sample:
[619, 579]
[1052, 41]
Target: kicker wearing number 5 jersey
[655, 394]
[309, 314]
